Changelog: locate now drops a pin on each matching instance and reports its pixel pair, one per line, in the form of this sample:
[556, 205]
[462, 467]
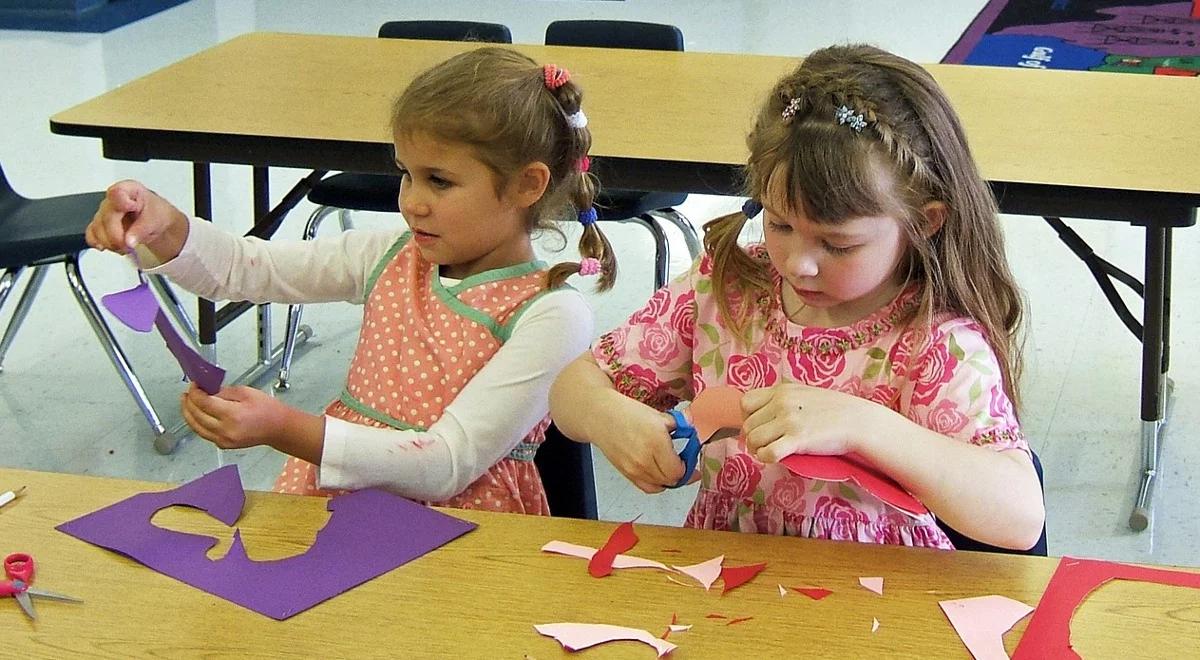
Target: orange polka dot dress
[420, 343]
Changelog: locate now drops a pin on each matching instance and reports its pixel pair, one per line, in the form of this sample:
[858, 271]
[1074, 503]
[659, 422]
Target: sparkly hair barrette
[790, 109]
[845, 115]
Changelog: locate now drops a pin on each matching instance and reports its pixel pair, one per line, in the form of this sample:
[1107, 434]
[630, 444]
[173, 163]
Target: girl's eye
[779, 227]
[439, 182]
[835, 249]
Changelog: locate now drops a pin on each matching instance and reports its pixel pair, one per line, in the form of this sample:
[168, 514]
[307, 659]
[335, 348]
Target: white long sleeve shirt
[488, 418]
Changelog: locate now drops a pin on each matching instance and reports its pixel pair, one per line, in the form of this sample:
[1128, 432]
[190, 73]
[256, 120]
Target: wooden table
[1052, 143]
[480, 595]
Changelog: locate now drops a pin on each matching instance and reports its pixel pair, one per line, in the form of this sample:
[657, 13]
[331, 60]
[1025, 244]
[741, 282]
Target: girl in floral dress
[878, 317]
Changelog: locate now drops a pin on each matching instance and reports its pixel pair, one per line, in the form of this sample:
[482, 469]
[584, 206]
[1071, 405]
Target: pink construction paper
[706, 573]
[134, 307]
[872, 584]
[982, 621]
[1049, 632]
[369, 533]
[714, 409]
[874, 624]
[852, 467]
[577, 636]
[584, 552]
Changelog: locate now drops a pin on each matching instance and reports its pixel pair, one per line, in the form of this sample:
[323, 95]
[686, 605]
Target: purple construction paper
[198, 370]
[134, 307]
[369, 533]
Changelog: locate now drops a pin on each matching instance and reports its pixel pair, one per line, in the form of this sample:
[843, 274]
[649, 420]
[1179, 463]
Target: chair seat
[33, 230]
[621, 204]
[358, 192]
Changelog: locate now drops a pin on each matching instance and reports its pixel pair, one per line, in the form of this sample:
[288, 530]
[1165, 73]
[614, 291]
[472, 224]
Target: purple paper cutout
[134, 307]
[369, 533]
[198, 370]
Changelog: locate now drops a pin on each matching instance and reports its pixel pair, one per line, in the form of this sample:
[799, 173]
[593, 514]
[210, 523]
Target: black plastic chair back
[964, 543]
[614, 34]
[566, 469]
[447, 31]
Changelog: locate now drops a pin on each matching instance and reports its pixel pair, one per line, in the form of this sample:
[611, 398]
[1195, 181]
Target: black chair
[641, 207]
[36, 233]
[349, 191]
[566, 469]
[962, 542]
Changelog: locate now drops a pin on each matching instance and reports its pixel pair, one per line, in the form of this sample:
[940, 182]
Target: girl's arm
[633, 436]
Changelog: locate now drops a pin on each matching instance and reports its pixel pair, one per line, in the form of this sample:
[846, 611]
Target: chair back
[965, 543]
[566, 469]
[447, 31]
[614, 34]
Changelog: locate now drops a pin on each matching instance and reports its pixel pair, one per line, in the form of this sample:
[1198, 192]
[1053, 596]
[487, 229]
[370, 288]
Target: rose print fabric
[420, 343]
[943, 376]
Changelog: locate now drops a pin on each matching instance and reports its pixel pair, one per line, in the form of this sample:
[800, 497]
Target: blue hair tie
[588, 216]
[752, 207]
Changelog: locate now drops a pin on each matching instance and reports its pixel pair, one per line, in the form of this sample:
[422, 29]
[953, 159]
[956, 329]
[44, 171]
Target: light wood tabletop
[481, 595]
[1061, 128]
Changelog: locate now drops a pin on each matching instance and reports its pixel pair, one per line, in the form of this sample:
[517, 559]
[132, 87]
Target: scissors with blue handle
[690, 454]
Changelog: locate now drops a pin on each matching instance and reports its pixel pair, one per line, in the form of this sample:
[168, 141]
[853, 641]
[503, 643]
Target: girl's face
[834, 274]
[458, 221]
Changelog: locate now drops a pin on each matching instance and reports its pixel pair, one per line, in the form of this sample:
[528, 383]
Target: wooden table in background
[1052, 143]
[481, 595]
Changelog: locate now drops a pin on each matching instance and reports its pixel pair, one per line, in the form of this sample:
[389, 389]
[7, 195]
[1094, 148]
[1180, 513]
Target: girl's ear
[935, 216]
[530, 184]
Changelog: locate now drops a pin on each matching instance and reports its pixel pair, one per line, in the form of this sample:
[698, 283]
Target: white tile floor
[62, 407]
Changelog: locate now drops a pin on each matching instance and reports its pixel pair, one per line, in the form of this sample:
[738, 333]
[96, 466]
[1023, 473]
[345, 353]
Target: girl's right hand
[640, 448]
[132, 214]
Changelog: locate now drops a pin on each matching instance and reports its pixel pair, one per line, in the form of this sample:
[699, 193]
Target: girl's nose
[411, 204]
[802, 262]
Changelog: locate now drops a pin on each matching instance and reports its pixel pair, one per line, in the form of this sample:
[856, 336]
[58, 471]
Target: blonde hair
[496, 101]
[911, 151]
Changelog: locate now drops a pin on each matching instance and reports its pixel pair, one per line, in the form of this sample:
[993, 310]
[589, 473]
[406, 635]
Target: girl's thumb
[127, 197]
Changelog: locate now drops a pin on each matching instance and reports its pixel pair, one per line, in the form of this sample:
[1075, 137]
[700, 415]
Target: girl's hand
[791, 419]
[130, 215]
[640, 448]
[235, 417]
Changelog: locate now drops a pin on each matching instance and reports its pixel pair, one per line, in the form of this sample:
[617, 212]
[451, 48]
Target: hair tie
[588, 216]
[590, 266]
[577, 119]
[554, 76]
[585, 164]
[752, 207]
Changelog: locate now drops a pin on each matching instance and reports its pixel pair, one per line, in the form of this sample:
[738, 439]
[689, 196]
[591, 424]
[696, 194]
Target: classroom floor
[62, 407]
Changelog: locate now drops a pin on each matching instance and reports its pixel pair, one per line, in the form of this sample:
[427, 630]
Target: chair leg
[175, 308]
[6, 285]
[685, 227]
[662, 250]
[113, 349]
[295, 311]
[346, 221]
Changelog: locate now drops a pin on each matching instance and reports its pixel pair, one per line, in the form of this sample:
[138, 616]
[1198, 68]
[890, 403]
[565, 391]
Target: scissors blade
[722, 434]
[26, 604]
[52, 595]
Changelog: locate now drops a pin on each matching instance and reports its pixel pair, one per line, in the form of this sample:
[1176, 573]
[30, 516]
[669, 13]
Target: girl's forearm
[581, 398]
[990, 496]
[300, 434]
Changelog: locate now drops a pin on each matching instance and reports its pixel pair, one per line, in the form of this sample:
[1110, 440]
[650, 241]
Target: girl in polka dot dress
[878, 317]
[463, 330]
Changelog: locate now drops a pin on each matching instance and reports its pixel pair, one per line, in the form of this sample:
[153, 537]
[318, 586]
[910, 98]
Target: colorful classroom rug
[1134, 36]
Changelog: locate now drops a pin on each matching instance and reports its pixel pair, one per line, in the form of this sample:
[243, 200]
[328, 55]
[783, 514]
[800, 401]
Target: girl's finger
[754, 400]
[648, 488]
[197, 422]
[764, 434]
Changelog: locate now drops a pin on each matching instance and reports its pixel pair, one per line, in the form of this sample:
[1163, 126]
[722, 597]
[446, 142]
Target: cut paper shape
[622, 538]
[782, 591]
[714, 615]
[852, 467]
[584, 552]
[872, 584]
[706, 572]
[134, 307]
[681, 583]
[369, 533]
[982, 621]
[736, 576]
[874, 624]
[675, 627]
[577, 636]
[738, 620]
[714, 409]
[1049, 632]
[815, 593]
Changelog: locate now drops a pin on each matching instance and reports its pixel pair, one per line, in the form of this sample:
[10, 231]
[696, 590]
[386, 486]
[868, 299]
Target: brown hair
[911, 151]
[496, 101]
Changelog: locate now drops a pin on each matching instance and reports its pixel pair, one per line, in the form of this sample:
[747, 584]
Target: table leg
[1154, 366]
[207, 309]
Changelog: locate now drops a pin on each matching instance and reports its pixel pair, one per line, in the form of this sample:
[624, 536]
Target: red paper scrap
[715, 616]
[852, 467]
[739, 620]
[622, 539]
[815, 593]
[736, 576]
[1048, 634]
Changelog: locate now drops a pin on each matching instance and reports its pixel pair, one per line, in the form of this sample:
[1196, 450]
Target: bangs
[824, 172]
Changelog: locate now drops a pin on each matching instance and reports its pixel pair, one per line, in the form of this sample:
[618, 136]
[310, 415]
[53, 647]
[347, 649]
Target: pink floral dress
[446, 335]
[944, 377]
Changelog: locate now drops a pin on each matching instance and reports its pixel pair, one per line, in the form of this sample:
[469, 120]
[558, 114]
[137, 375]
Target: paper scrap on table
[874, 624]
[584, 552]
[872, 584]
[782, 591]
[736, 576]
[369, 533]
[982, 621]
[577, 636]
[815, 593]
[1049, 631]
[622, 538]
[706, 572]
[678, 627]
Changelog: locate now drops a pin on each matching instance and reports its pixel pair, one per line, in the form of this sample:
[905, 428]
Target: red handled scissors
[19, 569]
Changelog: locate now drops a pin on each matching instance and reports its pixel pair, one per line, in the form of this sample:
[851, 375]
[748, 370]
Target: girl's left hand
[235, 417]
[791, 419]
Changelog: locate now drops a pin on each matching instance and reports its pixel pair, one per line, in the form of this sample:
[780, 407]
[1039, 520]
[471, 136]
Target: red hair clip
[555, 77]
